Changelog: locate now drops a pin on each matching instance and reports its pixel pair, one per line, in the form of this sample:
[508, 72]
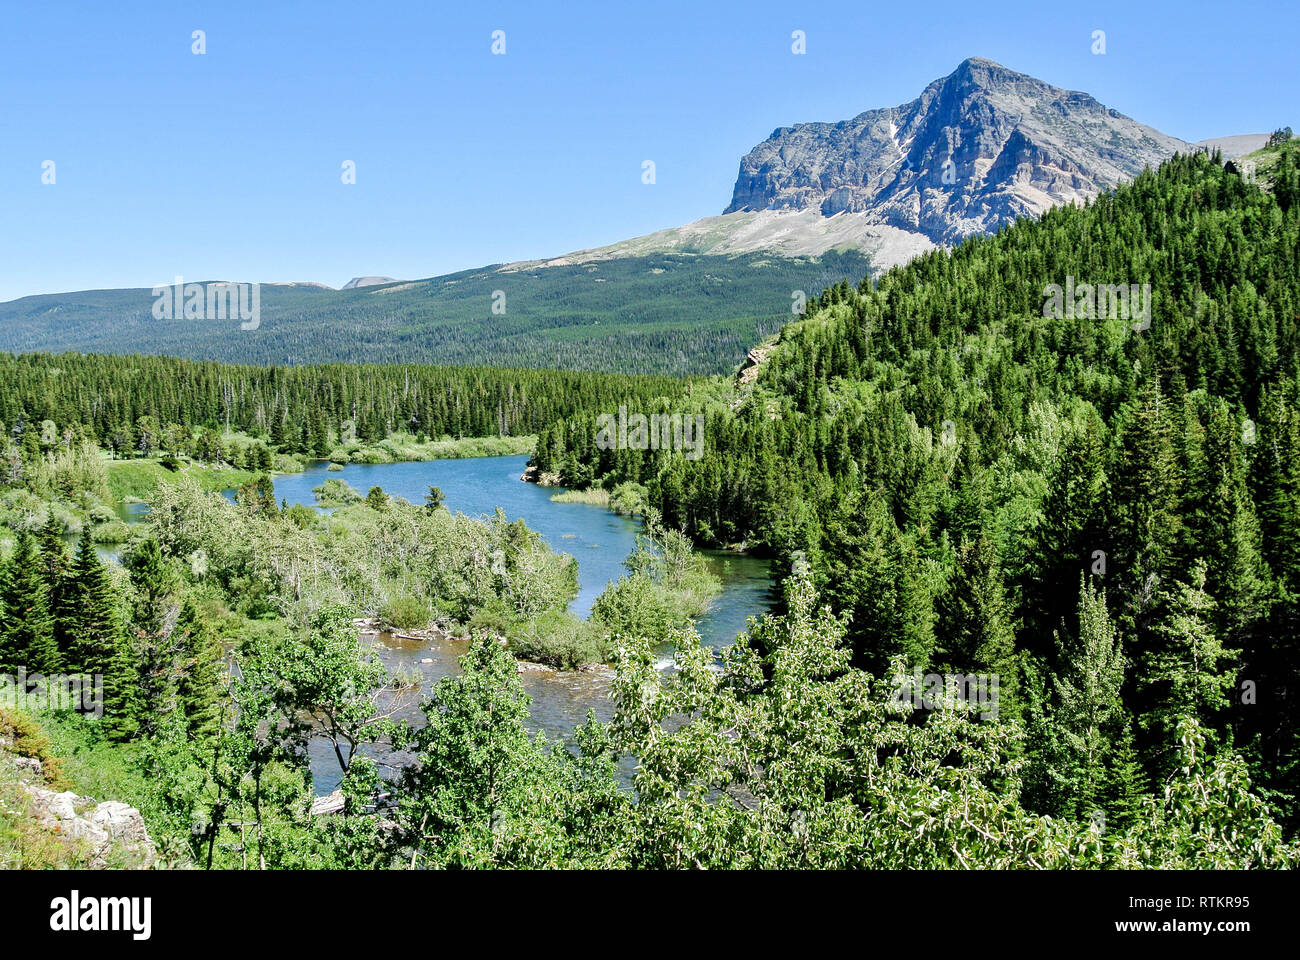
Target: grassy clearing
[404, 447]
[596, 496]
[139, 479]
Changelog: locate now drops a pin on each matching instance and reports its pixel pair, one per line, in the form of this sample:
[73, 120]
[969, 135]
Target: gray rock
[974, 151]
[30, 764]
[111, 831]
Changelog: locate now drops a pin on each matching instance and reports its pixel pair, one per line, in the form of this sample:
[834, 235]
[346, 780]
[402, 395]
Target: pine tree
[1188, 671]
[152, 626]
[434, 499]
[1088, 698]
[198, 687]
[1145, 484]
[976, 632]
[1125, 783]
[101, 646]
[1219, 511]
[1071, 539]
[154, 586]
[27, 628]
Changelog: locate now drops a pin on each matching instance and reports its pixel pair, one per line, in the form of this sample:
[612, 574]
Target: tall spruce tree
[1089, 708]
[1188, 671]
[199, 673]
[975, 627]
[101, 646]
[1145, 482]
[26, 625]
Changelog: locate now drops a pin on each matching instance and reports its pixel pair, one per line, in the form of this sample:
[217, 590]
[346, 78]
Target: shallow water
[598, 538]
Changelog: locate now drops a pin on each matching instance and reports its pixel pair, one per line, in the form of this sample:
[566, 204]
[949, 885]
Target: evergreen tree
[101, 646]
[975, 626]
[26, 626]
[1219, 511]
[199, 685]
[1088, 699]
[1188, 672]
[152, 630]
[434, 499]
[1071, 539]
[54, 570]
[1145, 482]
[1125, 783]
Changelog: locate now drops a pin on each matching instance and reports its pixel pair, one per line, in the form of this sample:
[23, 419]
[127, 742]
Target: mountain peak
[974, 150]
[980, 66]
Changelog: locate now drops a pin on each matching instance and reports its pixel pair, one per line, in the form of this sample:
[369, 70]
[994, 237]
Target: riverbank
[137, 479]
[405, 448]
[133, 481]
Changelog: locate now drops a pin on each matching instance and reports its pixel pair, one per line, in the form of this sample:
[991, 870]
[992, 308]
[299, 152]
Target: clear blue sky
[227, 165]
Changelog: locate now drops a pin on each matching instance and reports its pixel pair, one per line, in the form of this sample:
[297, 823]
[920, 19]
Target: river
[597, 537]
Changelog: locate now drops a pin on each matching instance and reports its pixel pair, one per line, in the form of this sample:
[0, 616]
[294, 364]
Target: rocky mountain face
[975, 150]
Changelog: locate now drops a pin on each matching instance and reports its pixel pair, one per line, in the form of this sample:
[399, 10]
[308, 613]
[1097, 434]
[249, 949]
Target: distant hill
[663, 313]
[813, 204]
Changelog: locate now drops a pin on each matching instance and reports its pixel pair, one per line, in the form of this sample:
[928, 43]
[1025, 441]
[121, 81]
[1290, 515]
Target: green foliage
[484, 792]
[27, 635]
[678, 313]
[950, 456]
[666, 587]
[335, 493]
[405, 612]
[561, 640]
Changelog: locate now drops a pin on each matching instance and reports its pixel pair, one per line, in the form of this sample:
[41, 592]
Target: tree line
[1104, 514]
[143, 404]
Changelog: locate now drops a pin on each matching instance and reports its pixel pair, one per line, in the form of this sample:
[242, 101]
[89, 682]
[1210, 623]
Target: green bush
[405, 612]
[561, 640]
[639, 607]
[115, 531]
[335, 493]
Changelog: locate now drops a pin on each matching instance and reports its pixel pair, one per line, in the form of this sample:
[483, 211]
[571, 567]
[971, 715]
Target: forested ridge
[1104, 514]
[671, 313]
[299, 407]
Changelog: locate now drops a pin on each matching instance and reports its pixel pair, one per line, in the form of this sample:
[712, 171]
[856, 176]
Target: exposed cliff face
[975, 150]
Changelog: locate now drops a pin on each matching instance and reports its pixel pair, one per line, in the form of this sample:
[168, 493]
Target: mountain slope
[664, 313]
[975, 150]
[814, 204]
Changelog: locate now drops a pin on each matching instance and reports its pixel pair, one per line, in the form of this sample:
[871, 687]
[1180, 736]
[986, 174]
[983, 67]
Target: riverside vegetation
[1107, 518]
[950, 480]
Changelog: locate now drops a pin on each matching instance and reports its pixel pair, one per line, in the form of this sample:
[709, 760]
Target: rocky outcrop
[112, 833]
[975, 150]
